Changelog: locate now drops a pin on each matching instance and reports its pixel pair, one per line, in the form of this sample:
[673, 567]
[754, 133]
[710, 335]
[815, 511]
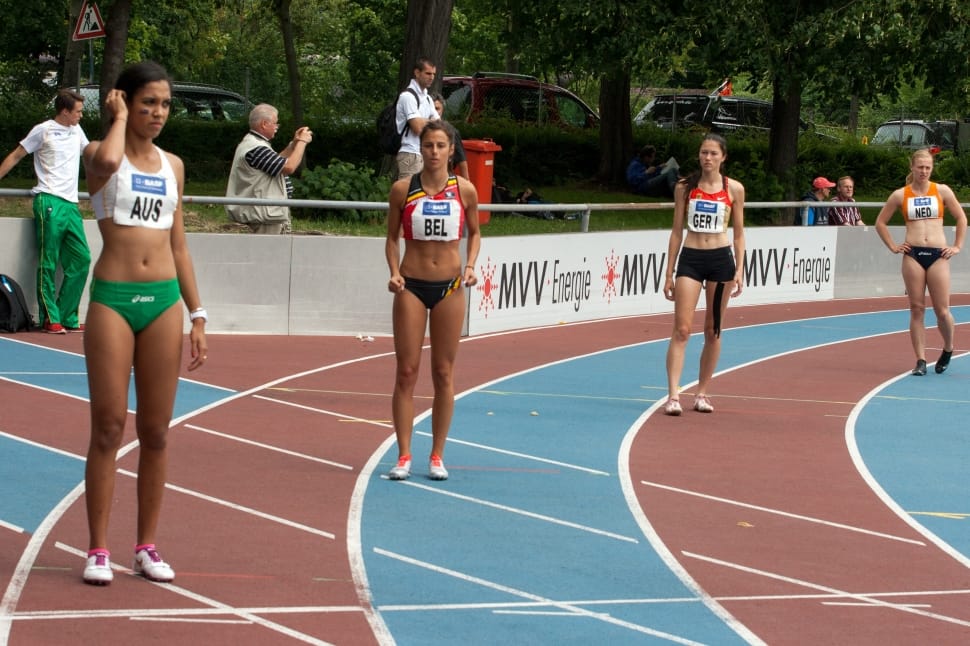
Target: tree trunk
[783, 142]
[512, 30]
[426, 35]
[116, 18]
[853, 113]
[292, 68]
[70, 74]
[616, 130]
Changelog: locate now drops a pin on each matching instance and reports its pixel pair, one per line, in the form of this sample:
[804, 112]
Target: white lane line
[778, 512]
[43, 447]
[240, 508]
[870, 480]
[524, 456]
[269, 447]
[573, 396]
[825, 598]
[324, 411]
[184, 620]
[522, 512]
[225, 608]
[660, 548]
[873, 600]
[528, 595]
[11, 527]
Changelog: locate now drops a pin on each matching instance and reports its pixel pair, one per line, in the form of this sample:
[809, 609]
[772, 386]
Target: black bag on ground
[14, 315]
[388, 136]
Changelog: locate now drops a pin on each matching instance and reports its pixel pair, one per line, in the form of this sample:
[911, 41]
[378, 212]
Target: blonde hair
[922, 152]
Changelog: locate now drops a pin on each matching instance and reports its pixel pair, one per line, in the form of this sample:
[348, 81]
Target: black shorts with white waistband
[707, 265]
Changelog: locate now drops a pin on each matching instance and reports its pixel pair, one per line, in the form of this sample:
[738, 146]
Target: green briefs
[138, 303]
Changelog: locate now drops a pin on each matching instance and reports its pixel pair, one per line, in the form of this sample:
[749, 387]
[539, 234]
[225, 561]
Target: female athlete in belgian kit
[429, 210]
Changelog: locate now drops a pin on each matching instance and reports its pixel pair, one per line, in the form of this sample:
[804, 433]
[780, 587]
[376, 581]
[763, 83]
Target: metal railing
[585, 209]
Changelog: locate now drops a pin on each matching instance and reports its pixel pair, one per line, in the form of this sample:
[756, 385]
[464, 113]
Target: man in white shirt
[56, 145]
[414, 107]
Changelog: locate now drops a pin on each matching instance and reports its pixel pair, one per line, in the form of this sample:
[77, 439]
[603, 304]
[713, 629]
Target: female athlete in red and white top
[706, 203]
[429, 210]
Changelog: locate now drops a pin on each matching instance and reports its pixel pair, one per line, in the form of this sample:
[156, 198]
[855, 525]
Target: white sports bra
[134, 198]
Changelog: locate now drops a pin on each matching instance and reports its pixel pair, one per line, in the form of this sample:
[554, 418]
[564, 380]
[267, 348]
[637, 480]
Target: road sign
[89, 23]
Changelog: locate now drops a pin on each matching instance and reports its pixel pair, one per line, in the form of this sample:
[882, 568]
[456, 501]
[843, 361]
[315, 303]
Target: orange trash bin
[481, 165]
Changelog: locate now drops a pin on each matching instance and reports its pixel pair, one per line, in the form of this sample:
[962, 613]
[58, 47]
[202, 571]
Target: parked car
[514, 96]
[916, 133]
[669, 111]
[189, 101]
[724, 114]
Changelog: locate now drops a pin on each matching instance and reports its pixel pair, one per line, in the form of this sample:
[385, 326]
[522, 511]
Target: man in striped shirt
[845, 215]
[260, 172]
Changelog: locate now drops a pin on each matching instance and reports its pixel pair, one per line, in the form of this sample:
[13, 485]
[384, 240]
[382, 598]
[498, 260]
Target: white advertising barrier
[546, 280]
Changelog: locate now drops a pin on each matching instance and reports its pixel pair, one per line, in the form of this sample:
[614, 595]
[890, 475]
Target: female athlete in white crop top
[134, 319]
[137, 198]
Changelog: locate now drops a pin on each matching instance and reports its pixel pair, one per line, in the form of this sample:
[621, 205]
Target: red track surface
[284, 575]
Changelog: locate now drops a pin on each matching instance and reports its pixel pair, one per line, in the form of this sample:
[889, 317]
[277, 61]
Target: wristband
[472, 267]
[199, 313]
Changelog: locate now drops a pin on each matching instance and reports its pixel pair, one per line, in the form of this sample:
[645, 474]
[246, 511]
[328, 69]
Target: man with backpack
[414, 109]
[56, 145]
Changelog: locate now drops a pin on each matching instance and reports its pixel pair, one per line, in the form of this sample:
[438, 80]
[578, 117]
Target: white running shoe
[672, 407]
[436, 468]
[702, 404]
[402, 470]
[97, 570]
[151, 566]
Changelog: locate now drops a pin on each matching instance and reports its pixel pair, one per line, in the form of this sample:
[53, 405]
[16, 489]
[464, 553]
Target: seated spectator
[845, 215]
[809, 216]
[646, 177]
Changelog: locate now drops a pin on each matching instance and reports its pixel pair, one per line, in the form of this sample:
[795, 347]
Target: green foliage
[206, 147]
[952, 169]
[537, 154]
[341, 181]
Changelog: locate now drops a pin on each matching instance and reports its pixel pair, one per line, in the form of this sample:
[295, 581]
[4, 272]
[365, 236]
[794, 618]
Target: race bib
[707, 216]
[436, 220]
[143, 204]
[922, 208]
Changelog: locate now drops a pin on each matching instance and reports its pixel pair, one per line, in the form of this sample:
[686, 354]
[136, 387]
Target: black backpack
[14, 315]
[388, 136]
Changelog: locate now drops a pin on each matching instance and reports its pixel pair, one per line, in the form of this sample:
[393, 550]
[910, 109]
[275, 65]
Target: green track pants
[60, 241]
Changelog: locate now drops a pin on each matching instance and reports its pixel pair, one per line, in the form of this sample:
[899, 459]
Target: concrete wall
[335, 285]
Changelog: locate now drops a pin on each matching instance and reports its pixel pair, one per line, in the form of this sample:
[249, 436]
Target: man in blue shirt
[809, 216]
[645, 177]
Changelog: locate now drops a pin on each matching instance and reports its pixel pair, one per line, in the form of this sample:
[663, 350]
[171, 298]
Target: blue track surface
[34, 479]
[532, 534]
